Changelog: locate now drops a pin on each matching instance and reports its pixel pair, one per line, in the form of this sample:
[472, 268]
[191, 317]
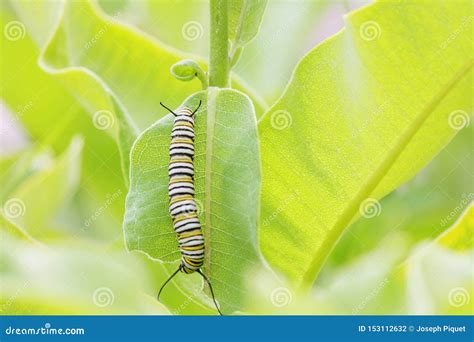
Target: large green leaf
[139, 77]
[421, 208]
[183, 25]
[227, 176]
[52, 116]
[363, 113]
[108, 114]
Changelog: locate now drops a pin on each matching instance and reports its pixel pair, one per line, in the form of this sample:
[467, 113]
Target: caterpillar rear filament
[183, 208]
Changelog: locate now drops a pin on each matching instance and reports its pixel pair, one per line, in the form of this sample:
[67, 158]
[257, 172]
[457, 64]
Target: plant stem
[219, 58]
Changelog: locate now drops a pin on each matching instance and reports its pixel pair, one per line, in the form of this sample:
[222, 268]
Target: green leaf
[36, 200]
[189, 33]
[437, 277]
[187, 70]
[181, 24]
[423, 207]
[244, 19]
[108, 114]
[53, 117]
[287, 31]
[363, 113]
[135, 68]
[227, 181]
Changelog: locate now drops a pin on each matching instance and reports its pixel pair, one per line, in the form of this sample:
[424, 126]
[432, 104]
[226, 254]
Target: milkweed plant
[331, 168]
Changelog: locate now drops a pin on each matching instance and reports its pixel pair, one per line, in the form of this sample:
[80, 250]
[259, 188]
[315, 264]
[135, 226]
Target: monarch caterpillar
[183, 208]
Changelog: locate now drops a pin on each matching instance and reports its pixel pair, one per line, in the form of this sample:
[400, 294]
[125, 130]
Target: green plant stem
[202, 77]
[219, 58]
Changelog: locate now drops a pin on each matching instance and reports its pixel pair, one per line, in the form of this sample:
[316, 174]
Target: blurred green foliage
[63, 196]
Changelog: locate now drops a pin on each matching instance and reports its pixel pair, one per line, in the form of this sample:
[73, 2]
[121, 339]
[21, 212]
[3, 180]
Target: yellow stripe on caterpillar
[182, 158]
[181, 198]
[182, 140]
[185, 216]
[182, 123]
[181, 180]
[189, 234]
[193, 248]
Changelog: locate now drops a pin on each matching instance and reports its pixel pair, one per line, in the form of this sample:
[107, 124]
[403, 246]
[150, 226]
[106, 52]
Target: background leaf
[42, 194]
[88, 39]
[460, 236]
[65, 280]
[437, 276]
[185, 26]
[431, 277]
[359, 118]
[283, 21]
[227, 183]
[420, 209]
[244, 19]
[52, 117]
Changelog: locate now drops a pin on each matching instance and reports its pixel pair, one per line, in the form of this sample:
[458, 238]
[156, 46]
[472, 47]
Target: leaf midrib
[238, 34]
[378, 175]
[210, 123]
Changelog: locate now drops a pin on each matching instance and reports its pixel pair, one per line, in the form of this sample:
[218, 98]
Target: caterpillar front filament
[183, 208]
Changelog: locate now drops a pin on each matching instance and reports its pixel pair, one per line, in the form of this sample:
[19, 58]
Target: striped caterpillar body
[182, 207]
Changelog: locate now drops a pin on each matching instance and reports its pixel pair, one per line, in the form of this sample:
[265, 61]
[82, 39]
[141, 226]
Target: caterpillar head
[184, 111]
